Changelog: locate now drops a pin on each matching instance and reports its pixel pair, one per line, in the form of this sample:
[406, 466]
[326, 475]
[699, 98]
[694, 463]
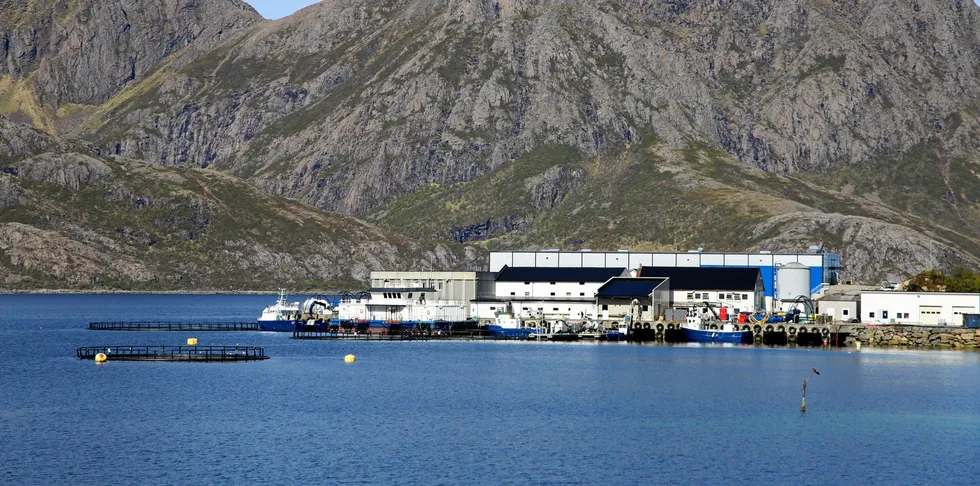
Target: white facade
[734, 301]
[917, 308]
[546, 290]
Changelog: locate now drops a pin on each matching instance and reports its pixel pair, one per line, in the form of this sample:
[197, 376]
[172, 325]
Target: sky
[274, 9]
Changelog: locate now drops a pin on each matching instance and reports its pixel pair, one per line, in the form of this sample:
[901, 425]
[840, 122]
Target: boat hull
[277, 326]
[698, 336]
[510, 332]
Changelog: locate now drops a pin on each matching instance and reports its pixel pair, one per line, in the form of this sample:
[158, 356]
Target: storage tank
[792, 280]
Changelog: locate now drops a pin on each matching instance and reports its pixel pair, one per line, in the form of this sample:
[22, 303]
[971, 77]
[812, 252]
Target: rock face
[591, 123]
[75, 219]
[84, 51]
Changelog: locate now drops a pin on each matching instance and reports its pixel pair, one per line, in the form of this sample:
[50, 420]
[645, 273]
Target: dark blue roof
[558, 274]
[629, 287]
[705, 278]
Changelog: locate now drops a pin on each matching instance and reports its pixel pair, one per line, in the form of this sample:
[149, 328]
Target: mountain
[72, 218]
[758, 124]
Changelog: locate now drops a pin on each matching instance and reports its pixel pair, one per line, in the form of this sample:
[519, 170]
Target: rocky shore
[914, 336]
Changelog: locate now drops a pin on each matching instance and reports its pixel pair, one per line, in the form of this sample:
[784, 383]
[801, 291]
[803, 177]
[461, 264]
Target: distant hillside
[757, 124]
[70, 218]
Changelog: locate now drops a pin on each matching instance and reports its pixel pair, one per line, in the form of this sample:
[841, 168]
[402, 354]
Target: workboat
[281, 316]
[507, 325]
[696, 330]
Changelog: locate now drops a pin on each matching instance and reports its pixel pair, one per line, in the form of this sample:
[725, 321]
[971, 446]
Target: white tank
[792, 280]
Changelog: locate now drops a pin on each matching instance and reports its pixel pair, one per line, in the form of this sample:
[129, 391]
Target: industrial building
[545, 293]
[448, 286]
[924, 308]
[842, 303]
[736, 289]
[644, 299]
[823, 268]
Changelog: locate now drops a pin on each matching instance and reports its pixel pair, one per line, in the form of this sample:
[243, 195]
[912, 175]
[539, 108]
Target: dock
[174, 353]
[209, 326]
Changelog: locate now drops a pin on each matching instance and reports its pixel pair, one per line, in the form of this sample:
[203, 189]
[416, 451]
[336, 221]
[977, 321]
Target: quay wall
[913, 336]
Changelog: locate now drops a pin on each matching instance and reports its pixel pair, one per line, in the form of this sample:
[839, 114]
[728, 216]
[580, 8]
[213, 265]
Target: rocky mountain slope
[70, 218]
[592, 123]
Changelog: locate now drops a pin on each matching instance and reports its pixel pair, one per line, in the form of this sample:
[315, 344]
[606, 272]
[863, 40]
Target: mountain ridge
[602, 124]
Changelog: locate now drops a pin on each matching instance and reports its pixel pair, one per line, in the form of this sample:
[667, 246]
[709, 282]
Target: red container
[723, 313]
[742, 317]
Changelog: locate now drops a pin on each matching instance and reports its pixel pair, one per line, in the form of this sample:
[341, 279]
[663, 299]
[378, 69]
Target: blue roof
[629, 287]
[558, 274]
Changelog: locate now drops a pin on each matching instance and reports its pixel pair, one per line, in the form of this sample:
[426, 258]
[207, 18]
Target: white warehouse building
[546, 293]
[922, 308]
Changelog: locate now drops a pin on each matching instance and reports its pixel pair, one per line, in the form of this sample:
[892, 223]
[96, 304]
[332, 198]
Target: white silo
[792, 281]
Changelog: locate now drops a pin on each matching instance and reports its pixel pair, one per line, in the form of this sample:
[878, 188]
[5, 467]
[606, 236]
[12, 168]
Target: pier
[173, 326]
[173, 353]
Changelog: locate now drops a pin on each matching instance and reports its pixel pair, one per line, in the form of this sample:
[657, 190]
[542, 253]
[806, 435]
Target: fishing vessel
[698, 331]
[506, 324]
[281, 316]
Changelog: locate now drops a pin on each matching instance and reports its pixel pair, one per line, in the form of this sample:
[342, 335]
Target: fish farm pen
[174, 353]
[173, 326]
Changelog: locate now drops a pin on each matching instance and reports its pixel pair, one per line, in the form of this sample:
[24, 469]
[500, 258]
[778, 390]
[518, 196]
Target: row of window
[567, 294]
[395, 295]
[721, 296]
[898, 315]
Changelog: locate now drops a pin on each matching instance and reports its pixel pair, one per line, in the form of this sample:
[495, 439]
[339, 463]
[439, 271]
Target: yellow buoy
[192, 341]
[349, 358]
[101, 358]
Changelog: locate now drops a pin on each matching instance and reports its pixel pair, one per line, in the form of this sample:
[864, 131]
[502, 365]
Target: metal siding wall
[688, 259]
[524, 259]
[767, 279]
[593, 260]
[712, 260]
[760, 260]
[618, 259]
[499, 259]
[783, 259]
[547, 259]
[736, 260]
[816, 277]
[664, 259]
[811, 260]
[570, 260]
[644, 259]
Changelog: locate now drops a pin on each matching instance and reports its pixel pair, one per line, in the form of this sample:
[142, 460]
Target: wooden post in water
[812, 371]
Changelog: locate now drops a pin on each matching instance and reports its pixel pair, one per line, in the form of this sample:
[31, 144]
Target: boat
[622, 330]
[281, 316]
[696, 330]
[507, 325]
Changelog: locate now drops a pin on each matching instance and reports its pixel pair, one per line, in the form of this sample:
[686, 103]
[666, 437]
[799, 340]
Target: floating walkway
[173, 353]
[173, 326]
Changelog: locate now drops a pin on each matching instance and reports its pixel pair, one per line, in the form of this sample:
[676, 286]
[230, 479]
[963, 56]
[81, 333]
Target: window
[738, 297]
[552, 294]
[906, 315]
[527, 283]
[568, 294]
[523, 308]
[845, 313]
[745, 296]
[581, 283]
[493, 308]
[581, 294]
[555, 309]
[871, 315]
[605, 307]
[690, 296]
[646, 308]
[697, 295]
[440, 285]
[513, 293]
[884, 314]
[409, 295]
[527, 294]
[552, 283]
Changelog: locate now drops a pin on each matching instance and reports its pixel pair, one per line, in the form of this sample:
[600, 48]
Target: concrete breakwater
[913, 336]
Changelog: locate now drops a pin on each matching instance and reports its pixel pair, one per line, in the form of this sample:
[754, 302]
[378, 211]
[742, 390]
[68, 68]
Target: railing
[174, 353]
[173, 326]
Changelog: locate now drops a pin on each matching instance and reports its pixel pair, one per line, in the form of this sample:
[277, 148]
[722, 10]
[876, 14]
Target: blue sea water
[465, 412]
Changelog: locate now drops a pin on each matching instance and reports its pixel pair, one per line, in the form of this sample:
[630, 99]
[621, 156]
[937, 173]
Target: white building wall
[550, 309]
[546, 290]
[926, 308]
[714, 297]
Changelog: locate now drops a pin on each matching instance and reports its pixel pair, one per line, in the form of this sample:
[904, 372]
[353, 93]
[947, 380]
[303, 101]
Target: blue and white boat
[281, 316]
[697, 331]
[509, 326]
